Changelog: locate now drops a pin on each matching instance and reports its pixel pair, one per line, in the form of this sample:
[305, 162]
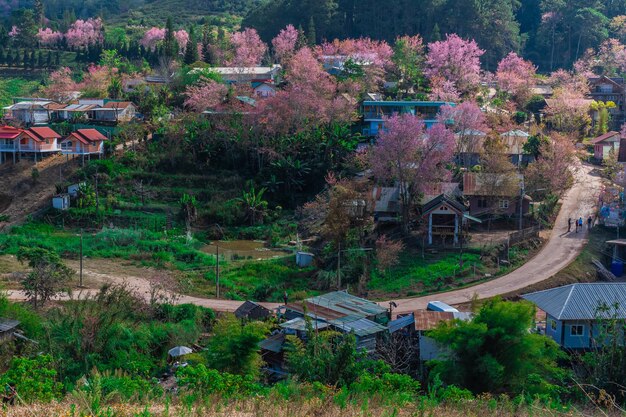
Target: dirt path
[560, 250]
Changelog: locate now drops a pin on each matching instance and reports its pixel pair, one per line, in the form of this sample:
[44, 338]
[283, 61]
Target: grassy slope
[14, 87]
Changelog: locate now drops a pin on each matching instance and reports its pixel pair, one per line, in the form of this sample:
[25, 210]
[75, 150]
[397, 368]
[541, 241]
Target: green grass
[149, 248]
[416, 276]
[259, 280]
[15, 87]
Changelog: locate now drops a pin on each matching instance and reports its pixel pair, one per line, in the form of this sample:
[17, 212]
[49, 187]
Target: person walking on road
[580, 223]
[569, 225]
[589, 222]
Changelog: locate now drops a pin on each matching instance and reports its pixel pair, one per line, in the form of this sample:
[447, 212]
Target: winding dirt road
[559, 251]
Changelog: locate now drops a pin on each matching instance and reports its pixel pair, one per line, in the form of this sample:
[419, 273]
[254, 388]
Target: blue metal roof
[400, 323]
[582, 301]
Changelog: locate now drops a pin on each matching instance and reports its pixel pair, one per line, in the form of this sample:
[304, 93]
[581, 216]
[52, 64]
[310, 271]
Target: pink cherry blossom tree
[362, 50]
[83, 33]
[60, 86]
[457, 60]
[443, 90]
[516, 75]
[405, 154]
[568, 81]
[182, 38]
[248, 48]
[468, 121]
[152, 37]
[568, 112]
[284, 43]
[49, 37]
[310, 99]
[207, 94]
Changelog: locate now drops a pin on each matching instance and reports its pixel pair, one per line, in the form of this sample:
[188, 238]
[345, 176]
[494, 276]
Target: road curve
[559, 251]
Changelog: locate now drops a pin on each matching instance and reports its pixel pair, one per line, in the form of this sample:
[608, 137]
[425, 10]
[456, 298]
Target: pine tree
[32, 60]
[49, 60]
[57, 59]
[40, 59]
[9, 58]
[436, 34]
[191, 51]
[2, 57]
[302, 39]
[170, 45]
[312, 36]
[40, 16]
[26, 59]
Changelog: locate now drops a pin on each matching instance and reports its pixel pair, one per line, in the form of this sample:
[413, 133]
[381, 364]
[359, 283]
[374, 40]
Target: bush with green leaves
[32, 379]
[495, 352]
[206, 381]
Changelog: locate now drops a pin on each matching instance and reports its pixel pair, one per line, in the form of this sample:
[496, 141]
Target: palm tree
[254, 204]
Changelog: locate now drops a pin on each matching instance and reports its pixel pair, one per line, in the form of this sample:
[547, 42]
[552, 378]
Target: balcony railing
[4, 147]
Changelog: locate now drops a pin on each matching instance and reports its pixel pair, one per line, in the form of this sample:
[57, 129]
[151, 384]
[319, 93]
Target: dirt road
[561, 249]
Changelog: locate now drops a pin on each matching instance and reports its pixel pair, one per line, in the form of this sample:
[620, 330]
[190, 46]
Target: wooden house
[445, 217]
[494, 194]
[115, 112]
[252, 311]
[578, 315]
[612, 89]
[604, 144]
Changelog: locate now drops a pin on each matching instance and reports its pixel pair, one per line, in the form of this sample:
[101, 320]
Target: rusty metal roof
[428, 320]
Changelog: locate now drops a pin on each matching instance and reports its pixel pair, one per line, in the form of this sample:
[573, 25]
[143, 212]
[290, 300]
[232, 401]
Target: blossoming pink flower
[14, 31]
[152, 37]
[285, 42]
[83, 33]
[182, 37]
[455, 59]
[48, 37]
[249, 48]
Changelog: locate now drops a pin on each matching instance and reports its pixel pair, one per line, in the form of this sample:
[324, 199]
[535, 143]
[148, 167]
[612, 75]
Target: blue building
[577, 315]
[375, 111]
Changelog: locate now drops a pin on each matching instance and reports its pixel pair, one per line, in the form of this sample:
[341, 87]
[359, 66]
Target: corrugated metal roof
[8, 324]
[504, 184]
[273, 343]
[299, 324]
[361, 327]
[400, 323]
[427, 320]
[342, 302]
[582, 301]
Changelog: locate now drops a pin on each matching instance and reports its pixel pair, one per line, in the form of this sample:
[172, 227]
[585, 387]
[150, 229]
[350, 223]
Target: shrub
[201, 379]
[32, 379]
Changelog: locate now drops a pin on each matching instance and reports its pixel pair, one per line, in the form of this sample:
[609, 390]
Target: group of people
[579, 224]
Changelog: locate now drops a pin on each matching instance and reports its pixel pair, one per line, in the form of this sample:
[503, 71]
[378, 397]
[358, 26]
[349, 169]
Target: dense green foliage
[494, 352]
[498, 26]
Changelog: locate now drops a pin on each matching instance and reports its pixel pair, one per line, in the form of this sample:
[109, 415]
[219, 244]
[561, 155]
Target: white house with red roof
[83, 142]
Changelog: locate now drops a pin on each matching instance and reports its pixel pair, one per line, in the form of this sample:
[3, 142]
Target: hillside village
[195, 215]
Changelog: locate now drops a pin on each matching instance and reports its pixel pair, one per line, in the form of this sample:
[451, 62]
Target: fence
[524, 234]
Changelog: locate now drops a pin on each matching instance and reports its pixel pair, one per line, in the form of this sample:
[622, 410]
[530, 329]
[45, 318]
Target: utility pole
[80, 283]
[217, 271]
[521, 205]
[339, 266]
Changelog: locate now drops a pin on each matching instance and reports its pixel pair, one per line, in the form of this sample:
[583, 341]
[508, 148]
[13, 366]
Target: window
[504, 204]
[67, 144]
[577, 330]
[482, 203]
[47, 141]
[606, 88]
[553, 324]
